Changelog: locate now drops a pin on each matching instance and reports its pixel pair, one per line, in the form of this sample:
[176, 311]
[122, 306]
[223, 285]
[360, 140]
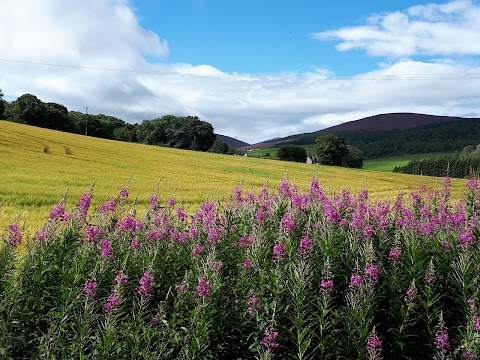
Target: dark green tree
[188, 132]
[30, 110]
[57, 117]
[2, 105]
[219, 147]
[354, 158]
[292, 153]
[331, 150]
[127, 133]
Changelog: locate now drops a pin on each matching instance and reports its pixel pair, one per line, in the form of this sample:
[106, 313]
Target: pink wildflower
[146, 284]
[326, 285]
[442, 341]
[112, 305]
[92, 234]
[121, 279]
[395, 254]
[288, 223]
[182, 287]
[14, 237]
[279, 251]
[106, 249]
[123, 194]
[197, 250]
[253, 305]
[371, 270]
[107, 207]
[411, 295]
[247, 264]
[269, 340]
[58, 213]
[89, 289]
[305, 248]
[203, 287]
[135, 244]
[466, 239]
[153, 200]
[355, 281]
[84, 204]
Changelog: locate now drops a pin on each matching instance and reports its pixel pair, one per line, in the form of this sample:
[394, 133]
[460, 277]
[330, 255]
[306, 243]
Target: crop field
[37, 167]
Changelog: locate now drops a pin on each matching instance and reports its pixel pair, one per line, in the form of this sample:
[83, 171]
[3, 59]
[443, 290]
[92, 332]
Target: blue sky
[254, 69]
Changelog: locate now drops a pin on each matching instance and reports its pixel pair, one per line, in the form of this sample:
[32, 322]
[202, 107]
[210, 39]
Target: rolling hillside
[38, 165]
[396, 134]
[231, 141]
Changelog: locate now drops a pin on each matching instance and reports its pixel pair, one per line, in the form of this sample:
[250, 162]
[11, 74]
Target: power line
[418, 76]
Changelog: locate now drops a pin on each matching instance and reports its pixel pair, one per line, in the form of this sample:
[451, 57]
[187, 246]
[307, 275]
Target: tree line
[181, 132]
[459, 165]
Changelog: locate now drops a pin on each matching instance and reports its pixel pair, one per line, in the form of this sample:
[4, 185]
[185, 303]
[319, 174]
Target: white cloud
[433, 30]
[106, 34]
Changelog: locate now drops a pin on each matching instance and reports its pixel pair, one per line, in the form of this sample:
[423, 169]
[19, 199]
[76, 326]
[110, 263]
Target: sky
[255, 70]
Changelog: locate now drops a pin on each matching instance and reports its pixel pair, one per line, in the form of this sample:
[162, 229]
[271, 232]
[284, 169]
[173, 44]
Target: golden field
[38, 165]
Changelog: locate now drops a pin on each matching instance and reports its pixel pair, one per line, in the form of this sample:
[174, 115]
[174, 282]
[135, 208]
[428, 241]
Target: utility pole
[86, 120]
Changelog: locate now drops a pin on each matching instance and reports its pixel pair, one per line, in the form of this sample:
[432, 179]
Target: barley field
[38, 166]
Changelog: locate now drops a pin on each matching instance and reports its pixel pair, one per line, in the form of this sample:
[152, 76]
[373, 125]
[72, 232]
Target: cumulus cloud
[433, 29]
[107, 50]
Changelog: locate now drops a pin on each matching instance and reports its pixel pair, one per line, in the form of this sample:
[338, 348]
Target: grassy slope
[389, 162]
[379, 164]
[38, 165]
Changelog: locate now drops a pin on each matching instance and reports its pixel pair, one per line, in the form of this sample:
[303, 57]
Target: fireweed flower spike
[374, 345]
[394, 255]
[430, 273]
[89, 289]
[58, 214]
[182, 287]
[279, 251]
[123, 194]
[442, 341]
[106, 249]
[14, 236]
[203, 288]
[326, 285]
[84, 204]
[112, 305]
[305, 248]
[371, 272]
[107, 207]
[269, 340]
[355, 281]
[146, 284]
[411, 294]
[253, 305]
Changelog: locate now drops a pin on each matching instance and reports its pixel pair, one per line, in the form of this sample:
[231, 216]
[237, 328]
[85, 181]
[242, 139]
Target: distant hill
[231, 141]
[396, 134]
[393, 121]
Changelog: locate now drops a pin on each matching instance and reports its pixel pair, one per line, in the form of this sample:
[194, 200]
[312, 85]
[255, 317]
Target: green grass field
[389, 162]
[38, 165]
[273, 151]
[381, 164]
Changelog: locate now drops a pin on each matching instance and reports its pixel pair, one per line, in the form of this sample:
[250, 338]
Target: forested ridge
[441, 137]
[459, 165]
